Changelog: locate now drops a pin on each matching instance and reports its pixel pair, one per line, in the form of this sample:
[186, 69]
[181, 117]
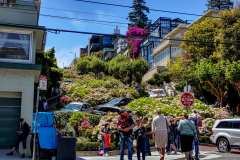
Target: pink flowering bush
[135, 36]
[86, 124]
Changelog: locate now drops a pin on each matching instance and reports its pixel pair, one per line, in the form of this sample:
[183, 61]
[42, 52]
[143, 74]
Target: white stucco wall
[22, 81]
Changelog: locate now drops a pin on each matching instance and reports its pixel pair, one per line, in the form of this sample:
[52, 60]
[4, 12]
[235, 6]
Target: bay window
[15, 46]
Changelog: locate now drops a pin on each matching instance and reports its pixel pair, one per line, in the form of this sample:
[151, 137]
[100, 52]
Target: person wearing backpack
[188, 132]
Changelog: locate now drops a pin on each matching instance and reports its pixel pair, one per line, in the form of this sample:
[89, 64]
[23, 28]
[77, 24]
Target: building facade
[167, 50]
[120, 45]
[169, 47]
[218, 5]
[102, 44]
[160, 28]
[21, 41]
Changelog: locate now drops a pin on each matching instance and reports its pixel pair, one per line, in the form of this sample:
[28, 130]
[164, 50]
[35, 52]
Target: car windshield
[115, 101]
[73, 106]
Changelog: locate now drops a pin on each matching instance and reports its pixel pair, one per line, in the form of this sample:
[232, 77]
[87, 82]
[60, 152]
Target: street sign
[187, 99]
[43, 82]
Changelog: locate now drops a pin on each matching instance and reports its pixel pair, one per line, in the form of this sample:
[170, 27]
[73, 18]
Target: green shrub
[87, 146]
[76, 118]
[168, 106]
[62, 119]
[94, 119]
[96, 91]
[204, 139]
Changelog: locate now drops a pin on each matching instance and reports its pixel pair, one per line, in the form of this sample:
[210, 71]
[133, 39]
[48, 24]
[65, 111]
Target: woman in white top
[160, 133]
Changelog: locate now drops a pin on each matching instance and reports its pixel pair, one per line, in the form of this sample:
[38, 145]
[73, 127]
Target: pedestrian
[187, 133]
[160, 133]
[22, 134]
[125, 127]
[106, 134]
[148, 133]
[172, 136]
[178, 142]
[139, 133]
[196, 118]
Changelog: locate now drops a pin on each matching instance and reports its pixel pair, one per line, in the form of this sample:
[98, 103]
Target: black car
[106, 109]
[117, 102]
[113, 105]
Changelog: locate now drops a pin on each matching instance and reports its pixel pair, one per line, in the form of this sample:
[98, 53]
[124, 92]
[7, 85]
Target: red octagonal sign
[187, 99]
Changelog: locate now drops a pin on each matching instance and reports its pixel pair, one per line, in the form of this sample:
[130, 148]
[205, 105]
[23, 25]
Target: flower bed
[97, 91]
[169, 106]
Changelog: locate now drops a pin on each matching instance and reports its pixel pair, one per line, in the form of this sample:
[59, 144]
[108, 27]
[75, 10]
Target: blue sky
[67, 44]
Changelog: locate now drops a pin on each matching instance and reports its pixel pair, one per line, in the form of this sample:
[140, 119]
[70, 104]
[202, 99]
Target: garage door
[10, 109]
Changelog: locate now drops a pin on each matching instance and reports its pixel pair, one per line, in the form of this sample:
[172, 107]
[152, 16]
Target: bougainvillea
[135, 35]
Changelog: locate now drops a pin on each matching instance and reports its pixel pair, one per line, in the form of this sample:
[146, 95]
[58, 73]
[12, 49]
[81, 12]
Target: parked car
[76, 107]
[226, 134]
[116, 102]
[155, 93]
[106, 109]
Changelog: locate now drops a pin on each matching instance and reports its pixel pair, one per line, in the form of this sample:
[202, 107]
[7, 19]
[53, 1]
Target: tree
[210, 61]
[159, 78]
[127, 70]
[50, 69]
[219, 4]
[212, 76]
[137, 16]
[90, 64]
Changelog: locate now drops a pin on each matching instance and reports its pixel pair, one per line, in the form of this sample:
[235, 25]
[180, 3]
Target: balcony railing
[21, 4]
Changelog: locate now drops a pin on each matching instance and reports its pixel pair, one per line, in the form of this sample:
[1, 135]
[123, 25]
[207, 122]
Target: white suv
[226, 134]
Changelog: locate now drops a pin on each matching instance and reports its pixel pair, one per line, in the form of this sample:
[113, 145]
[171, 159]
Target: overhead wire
[83, 19]
[122, 23]
[82, 12]
[128, 6]
[151, 9]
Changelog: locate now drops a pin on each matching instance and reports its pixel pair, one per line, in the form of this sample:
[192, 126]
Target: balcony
[94, 47]
[24, 12]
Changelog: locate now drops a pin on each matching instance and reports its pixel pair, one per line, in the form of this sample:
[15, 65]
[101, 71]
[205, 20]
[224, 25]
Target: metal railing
[20, 4]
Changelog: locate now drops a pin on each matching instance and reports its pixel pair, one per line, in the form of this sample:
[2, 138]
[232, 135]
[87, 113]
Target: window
[15, 46]
[225, 125]
[236, 124]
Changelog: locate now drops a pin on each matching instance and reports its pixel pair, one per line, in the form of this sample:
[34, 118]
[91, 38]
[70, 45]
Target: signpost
[42, 86]
[187, 99]
[43, 82]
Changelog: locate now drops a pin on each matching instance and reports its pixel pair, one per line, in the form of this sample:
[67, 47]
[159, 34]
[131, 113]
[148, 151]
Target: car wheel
[223, 145]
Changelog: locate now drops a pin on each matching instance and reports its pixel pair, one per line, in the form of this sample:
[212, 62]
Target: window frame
[18, 31]
[229, 122]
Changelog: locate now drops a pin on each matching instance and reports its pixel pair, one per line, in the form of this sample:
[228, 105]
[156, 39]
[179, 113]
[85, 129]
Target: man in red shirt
[125, 127]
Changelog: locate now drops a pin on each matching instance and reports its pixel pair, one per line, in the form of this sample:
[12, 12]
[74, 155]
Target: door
[236, 133]
[10, 109]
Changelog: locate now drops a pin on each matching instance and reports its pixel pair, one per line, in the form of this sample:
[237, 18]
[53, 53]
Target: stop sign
[187, 99]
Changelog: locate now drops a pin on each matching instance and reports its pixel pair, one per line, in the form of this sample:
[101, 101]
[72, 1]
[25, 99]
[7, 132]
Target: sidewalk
[15, 157]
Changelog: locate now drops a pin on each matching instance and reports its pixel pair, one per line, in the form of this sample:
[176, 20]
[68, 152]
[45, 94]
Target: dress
[159, 128]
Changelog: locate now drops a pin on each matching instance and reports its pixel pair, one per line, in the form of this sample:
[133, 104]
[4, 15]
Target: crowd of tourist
[170, 134]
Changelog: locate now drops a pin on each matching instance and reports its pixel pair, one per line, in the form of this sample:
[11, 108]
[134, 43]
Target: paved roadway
[207, 153]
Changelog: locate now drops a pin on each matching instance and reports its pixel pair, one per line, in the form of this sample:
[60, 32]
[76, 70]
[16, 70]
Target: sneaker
[9, 154]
